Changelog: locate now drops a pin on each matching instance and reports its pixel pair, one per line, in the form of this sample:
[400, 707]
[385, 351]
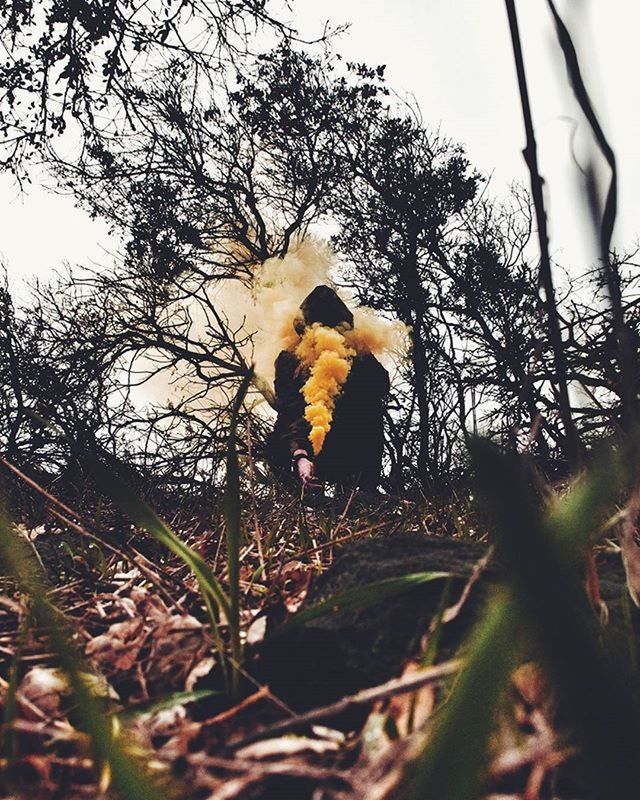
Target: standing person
[330, 401]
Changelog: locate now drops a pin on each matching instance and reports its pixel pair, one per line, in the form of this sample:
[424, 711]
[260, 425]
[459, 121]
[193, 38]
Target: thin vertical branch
[233, 528]
[626, 355]
[546, 278]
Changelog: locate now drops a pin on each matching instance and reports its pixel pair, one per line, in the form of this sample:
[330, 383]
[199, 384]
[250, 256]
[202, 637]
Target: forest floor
[335, 710]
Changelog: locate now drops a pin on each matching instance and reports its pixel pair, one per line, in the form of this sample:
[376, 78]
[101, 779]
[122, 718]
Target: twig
[406, 684]
[258, 769]
[343, 516]
[225, 716]
[626, 351]
[11, 605]
[252, 494]
[54, 500]
[262, 688]
[452, 612]
[546, 277]
[518, 758]
[151, 576]
[362, 532]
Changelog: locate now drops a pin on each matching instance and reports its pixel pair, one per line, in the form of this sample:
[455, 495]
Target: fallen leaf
[44, 690]
[410, 711]
[166, 722]
[533, 685]
[178, 644]
[200, 670]
[293, 583]
[118, 648]
[257, 630]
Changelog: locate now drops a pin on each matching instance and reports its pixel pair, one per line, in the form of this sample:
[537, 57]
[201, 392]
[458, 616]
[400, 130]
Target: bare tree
[407, 188]
[593, 348]
[81, 67]
[56, 387]
[218, 175]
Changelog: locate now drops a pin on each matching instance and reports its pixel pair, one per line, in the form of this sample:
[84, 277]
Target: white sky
[455, 58]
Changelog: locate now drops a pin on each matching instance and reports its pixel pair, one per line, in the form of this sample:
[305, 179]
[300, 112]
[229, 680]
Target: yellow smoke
[328, 356]
[262, 312]
[280, 286]
[387, 339]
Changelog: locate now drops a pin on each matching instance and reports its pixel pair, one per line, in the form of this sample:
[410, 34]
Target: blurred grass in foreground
[114, 764]
[544, 612]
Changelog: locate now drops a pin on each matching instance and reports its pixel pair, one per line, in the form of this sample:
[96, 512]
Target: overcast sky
[455, 58]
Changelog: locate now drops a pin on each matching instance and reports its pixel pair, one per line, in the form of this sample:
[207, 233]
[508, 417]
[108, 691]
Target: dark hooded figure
[351, 455]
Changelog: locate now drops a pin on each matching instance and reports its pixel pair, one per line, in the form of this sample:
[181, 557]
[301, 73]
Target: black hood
[324, 306]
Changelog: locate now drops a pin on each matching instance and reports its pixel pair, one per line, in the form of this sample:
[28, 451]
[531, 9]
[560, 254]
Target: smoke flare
[328, 356]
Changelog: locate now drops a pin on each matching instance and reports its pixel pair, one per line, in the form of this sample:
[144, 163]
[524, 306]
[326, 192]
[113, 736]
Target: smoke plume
[263, 315]
[280, 286]
[328, 356]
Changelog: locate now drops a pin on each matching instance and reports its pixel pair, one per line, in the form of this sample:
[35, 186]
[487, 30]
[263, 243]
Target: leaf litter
[154, 666]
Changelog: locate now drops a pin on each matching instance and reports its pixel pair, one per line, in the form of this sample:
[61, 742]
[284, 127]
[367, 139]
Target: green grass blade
[452, 764]
[362, 597]
[600, 697]
[546, 604]
[232, 515]
[144, 517]
[168, 701]
[575, 522]
[435, 632]
[433, 640]
[7, 738]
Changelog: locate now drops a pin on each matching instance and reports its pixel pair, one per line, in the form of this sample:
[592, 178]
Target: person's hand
[306, 474]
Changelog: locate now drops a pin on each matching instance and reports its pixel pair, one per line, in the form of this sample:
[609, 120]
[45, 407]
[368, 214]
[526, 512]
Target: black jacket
[352, 451]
